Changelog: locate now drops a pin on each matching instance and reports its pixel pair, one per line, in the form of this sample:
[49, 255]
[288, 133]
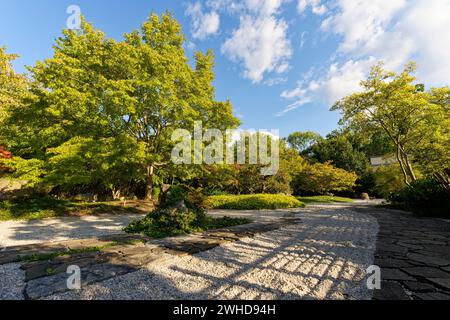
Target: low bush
[424, 197]
[181, 211]
[163, 223]
[254, 202]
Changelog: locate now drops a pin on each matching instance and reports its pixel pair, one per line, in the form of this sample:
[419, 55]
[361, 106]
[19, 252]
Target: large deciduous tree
[95, 94]
[395, 104]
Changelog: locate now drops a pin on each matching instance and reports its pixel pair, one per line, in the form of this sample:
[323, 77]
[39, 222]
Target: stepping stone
[43, 287]
[442, 282]
[429, 260]
[391, 263]
[39, 269]
[390, 291]
[426, 272]
[432, 296]
[416, 286]
[391, 248]
[409, 246]
[395, 274]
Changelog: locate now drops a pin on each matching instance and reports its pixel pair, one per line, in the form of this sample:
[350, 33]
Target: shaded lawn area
[325, 199]
[39, 208]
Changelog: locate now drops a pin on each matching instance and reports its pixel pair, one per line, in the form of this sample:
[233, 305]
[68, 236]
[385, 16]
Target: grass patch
[254, 202]
[39, 208]
[325, 199]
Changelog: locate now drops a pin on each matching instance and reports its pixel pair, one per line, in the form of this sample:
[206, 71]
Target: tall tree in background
[393, 103]
[303, 140]
[14, 91]
[433, 154]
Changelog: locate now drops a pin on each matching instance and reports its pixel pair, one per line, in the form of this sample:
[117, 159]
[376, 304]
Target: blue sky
[282, 63]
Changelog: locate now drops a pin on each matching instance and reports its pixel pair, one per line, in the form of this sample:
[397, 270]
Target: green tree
[341, 148]
[392, 103]
[301, 141]
[140, 89]
[14, 93]
[323, 178]
[433, 153]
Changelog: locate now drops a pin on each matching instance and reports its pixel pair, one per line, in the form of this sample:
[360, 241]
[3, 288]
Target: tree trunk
[402, 166]
[149, 183]
[444, 180]
[409, 166]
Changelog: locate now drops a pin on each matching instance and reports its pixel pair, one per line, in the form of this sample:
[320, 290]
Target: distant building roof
[385, 160]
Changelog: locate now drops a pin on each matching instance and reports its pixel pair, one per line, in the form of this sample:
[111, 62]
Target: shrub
[172, 218]
[164, 222]
[323, 178]
[425, 197]
[254, 202]
[388, 180]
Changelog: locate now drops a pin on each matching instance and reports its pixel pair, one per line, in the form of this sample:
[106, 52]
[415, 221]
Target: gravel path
[12, 282]
[324, 257]
[14, 233]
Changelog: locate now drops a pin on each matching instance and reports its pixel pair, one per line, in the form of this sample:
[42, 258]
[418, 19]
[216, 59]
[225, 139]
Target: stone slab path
[113, 256]
[413, 254]
[319, 252]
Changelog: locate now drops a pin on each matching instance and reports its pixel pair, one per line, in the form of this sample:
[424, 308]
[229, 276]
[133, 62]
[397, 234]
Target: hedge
[254, 202]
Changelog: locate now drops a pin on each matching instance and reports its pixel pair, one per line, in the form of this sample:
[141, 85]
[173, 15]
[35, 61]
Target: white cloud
[316, 6]
[231, 6]
[340, 80]
[303, 39]
[260, 42]
[264, 7]
[275, 81]
[427, 25]
[394, 31]
[203, 24]
[362, 24]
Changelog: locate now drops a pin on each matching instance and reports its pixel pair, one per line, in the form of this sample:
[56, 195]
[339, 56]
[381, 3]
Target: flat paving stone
[432, 296]
[427, 259]
[414, 246]
[426, 272]
[419, 286]
[391, 291]
[395, 274]
[441, 282]
[46, 286]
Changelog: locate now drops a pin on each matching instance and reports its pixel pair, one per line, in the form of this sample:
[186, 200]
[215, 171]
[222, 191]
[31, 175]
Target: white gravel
[324, 257]
[15, 233]
[12, 282]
